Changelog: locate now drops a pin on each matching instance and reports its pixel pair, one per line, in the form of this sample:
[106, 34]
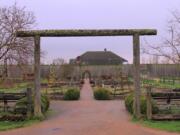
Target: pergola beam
[85, 32]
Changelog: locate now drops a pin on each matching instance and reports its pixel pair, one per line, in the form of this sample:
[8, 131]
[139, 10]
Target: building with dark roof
[99, 58]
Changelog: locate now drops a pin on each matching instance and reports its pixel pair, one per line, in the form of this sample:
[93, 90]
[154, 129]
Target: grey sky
[91, 14]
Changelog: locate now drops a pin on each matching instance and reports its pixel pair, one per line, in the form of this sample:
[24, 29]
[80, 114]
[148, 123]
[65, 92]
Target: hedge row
[102, 94]
[72, 94]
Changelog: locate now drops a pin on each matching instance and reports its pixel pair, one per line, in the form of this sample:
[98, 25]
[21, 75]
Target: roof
[101, 58]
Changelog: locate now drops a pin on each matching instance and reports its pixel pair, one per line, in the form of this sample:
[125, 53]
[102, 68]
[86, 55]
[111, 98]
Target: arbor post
[37, 87]
[136, 68]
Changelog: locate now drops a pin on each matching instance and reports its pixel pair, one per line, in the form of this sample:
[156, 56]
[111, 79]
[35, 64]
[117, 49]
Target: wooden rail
[14, 97]
[163, 100]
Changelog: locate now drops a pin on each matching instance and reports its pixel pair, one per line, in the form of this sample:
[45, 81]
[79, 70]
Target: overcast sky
[96, 14]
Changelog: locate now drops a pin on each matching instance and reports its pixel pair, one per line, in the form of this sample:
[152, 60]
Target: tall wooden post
[37, 87]
[136, 68]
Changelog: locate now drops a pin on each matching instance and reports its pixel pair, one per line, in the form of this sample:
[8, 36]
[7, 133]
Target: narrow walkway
[86, 92]
[87, 117]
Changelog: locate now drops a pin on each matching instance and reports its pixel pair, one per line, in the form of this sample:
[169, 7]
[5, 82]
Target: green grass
[6, 125]
[170, 126]
[17, 88]
[44, 81]
[158, 84]
[61, 89]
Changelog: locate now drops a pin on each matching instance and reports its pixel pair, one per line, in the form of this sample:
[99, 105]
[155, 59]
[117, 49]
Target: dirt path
[87, 117]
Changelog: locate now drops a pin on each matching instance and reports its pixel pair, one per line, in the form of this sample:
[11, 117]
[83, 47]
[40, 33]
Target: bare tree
[169, 49]
[59, 61]
[13, 49]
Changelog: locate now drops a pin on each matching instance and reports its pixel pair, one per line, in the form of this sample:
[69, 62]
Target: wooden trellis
[136, 33]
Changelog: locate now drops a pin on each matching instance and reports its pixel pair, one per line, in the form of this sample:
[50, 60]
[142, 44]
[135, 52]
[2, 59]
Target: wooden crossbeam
[85, 32]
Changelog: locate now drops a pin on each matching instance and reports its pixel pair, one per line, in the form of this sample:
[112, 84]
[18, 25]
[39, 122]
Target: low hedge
[72, 94]
[129, 104]
[102, 94]
[21, 105]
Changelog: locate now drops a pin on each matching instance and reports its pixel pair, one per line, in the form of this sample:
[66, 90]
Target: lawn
[158, 84]
[171, 126]
[6, 125]
[18, 87]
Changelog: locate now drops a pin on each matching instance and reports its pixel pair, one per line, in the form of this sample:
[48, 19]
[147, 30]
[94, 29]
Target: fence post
[149, 103]
[173, 80]
[5, 105]
[30, 101]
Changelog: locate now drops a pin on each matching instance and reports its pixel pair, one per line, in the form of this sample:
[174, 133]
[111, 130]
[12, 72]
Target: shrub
[72, 94]
[101, 94]
[44, 103]
[21, 105]
[129, 104]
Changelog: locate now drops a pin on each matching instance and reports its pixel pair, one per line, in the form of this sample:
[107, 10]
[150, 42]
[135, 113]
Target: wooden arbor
[86, 72]
[136, 33]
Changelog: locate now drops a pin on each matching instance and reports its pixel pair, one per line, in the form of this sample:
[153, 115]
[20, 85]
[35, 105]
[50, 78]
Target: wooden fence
[118, 88]
[165, 101]
[7, 98]
[153, 70]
